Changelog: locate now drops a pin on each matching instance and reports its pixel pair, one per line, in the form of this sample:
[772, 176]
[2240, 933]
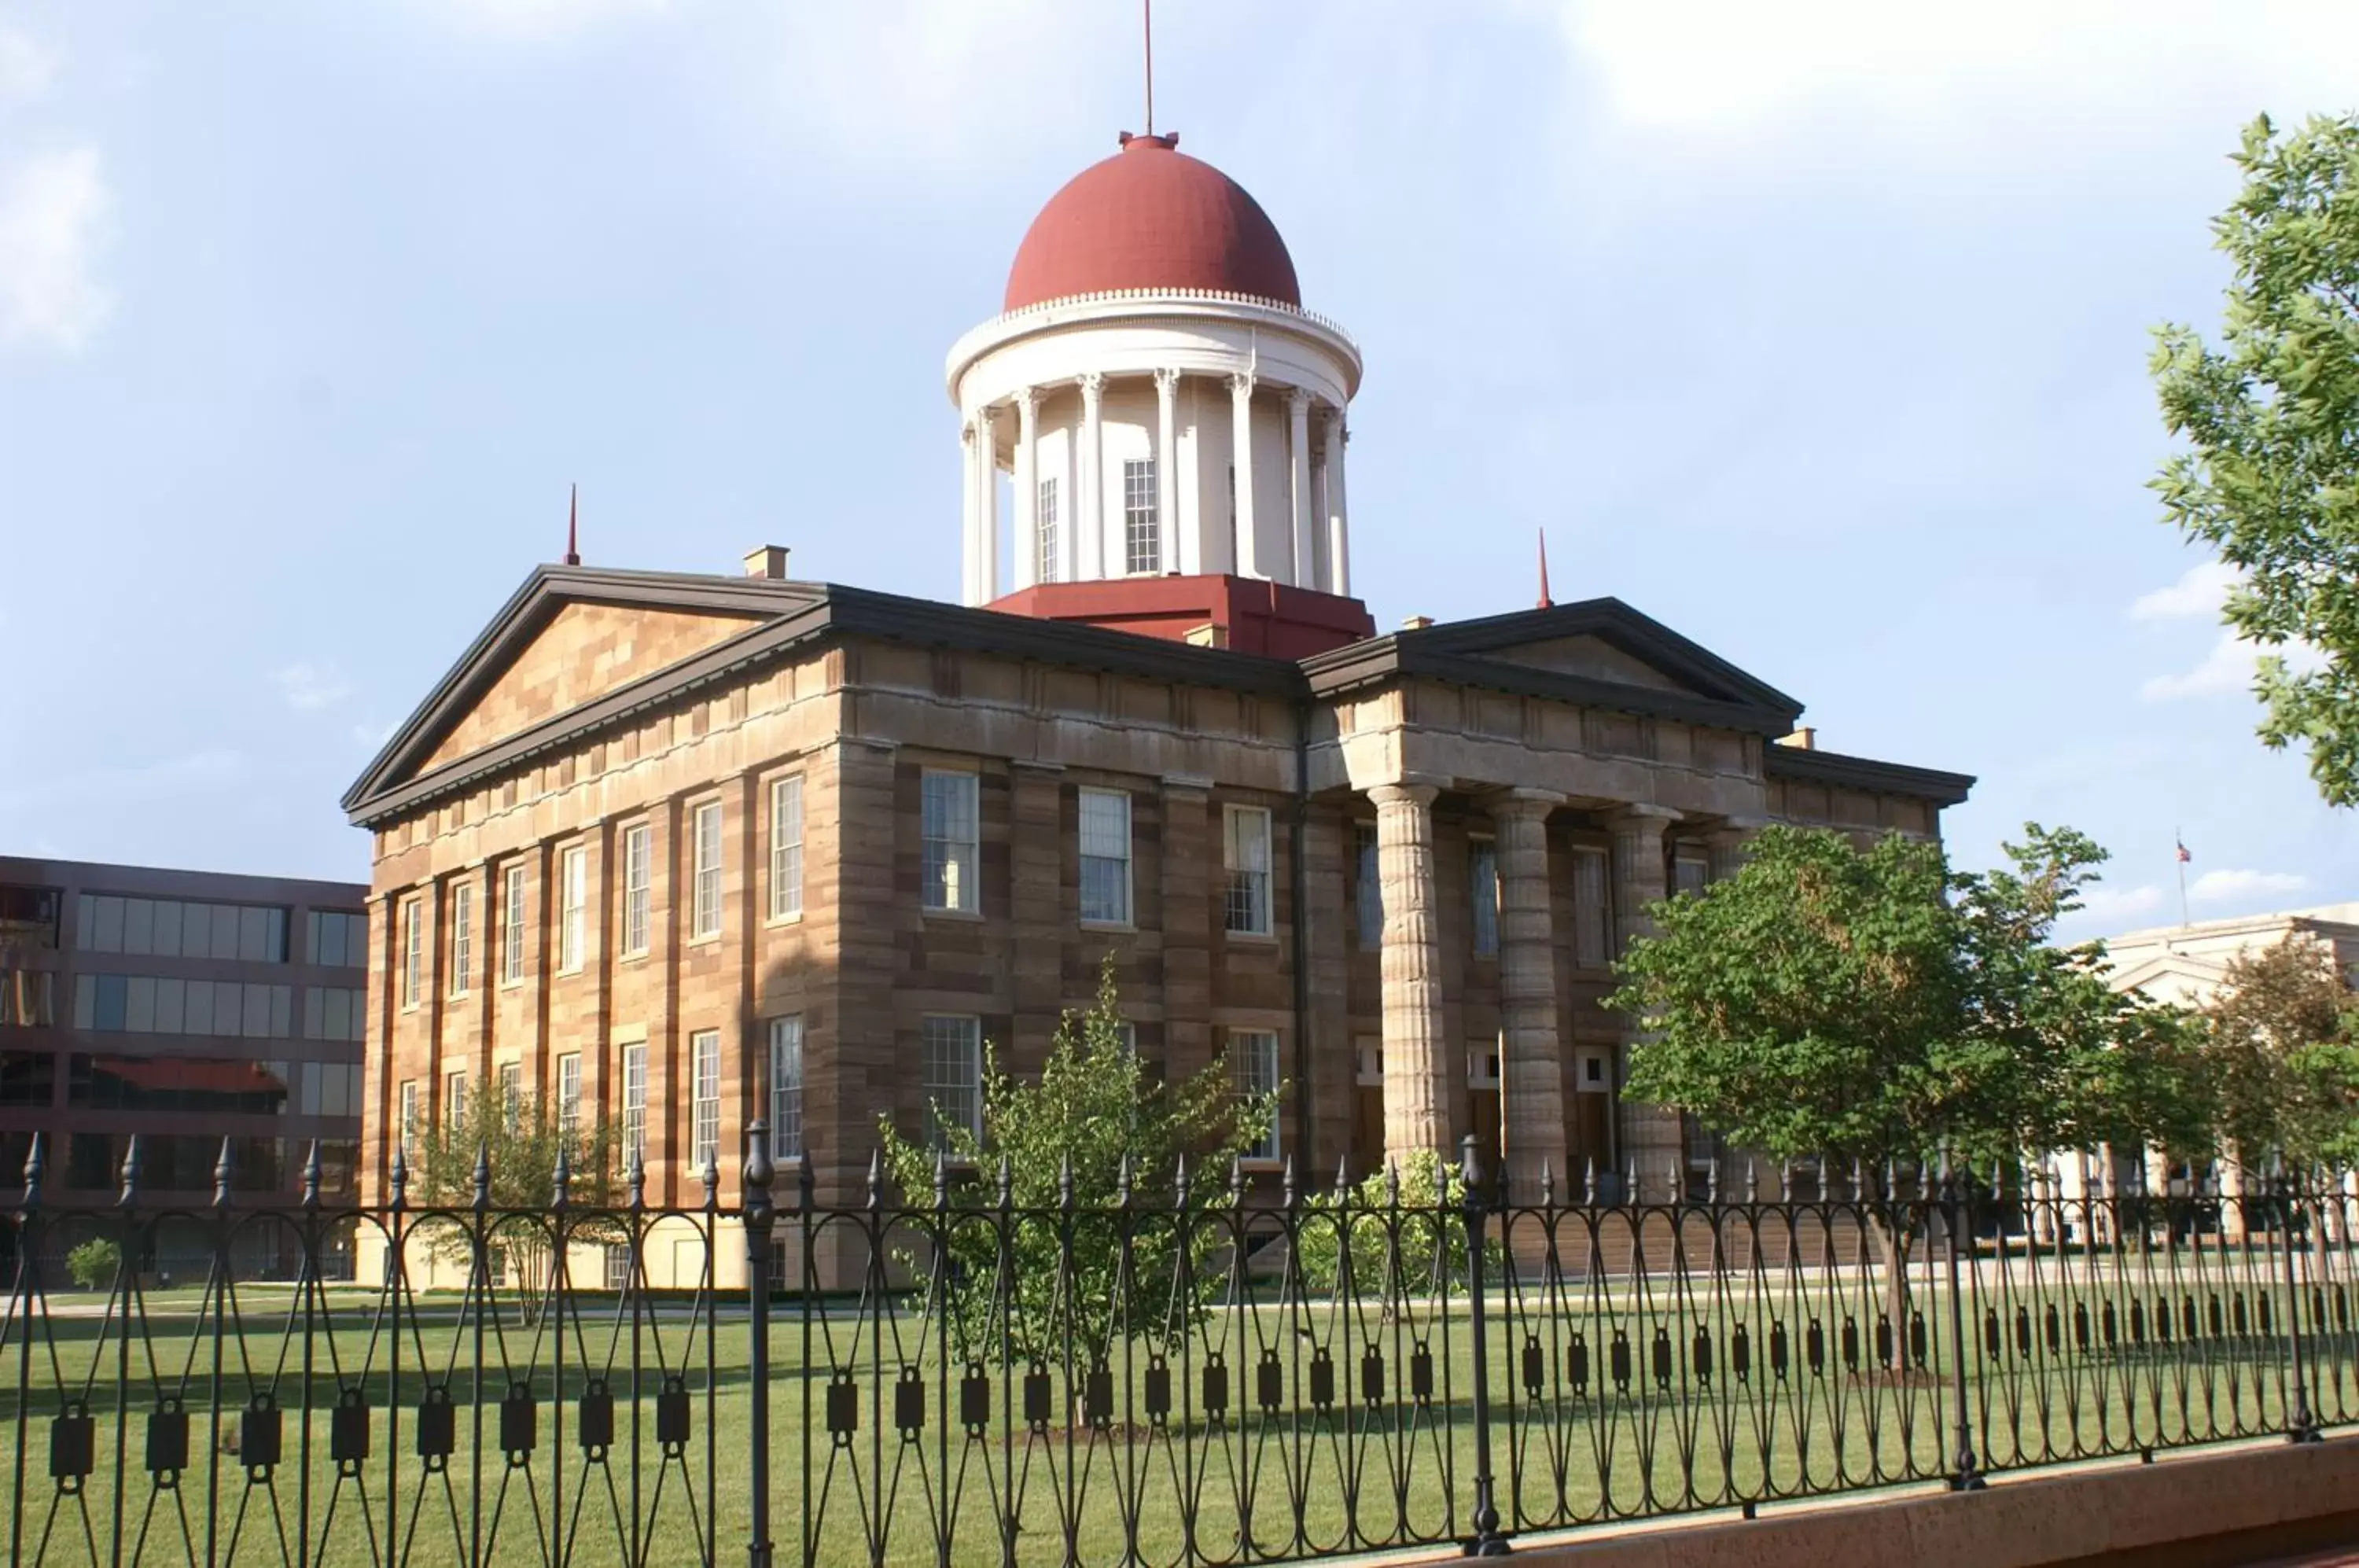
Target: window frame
[787, 854]
[704, 1100]
[462, 936]
[511, 935]
[1141, 519]
[1260, 915]
[631, 1075]
[786, 1039]
[574, 909]
[1048, 562]
[413, 953]
[930, 1040]
[964, 887]
[1367, 887]
[1481, 903]
[1245, 1075]
[406, 1112]
[569, 1095]
[639, 890]
[1124, 918]
[454, 1100]
[706, 852]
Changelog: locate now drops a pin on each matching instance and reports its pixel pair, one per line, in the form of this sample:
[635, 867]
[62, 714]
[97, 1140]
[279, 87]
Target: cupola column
[1339, 541]
[1089, 518]
[1167, 470]
[1241, 482]
[1300, 500]
[970, 557]
[986, 504]
[1028, 488]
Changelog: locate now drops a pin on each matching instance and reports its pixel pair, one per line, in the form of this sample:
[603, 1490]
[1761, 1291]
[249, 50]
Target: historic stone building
[678, 850]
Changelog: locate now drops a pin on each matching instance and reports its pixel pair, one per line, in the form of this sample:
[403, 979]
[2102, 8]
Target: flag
[2183, 856]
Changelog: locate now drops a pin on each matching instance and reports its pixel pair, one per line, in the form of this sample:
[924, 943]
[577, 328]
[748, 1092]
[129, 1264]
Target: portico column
[987, 504]
[1089, 518]
[1241, 508]
[970, 556]
[1028, 487]
[1167, 469]
[1727, 845]
[1650, 1134]
[1417, 1070]
[1305, 529]
[1339, 543]
[1531, 1078]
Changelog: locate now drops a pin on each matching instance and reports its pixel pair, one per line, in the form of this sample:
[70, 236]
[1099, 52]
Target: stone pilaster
[1532, 1075]
[1417, 1054]
[1189, 855]
[1650, 1134]
[1327, 1098]
[849, 1041]
[1036, 906]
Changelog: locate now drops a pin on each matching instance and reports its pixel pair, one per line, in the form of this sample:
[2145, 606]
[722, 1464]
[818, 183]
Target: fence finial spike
[875, 1178]
[1122, 1181]
[1858, 1179]
[1712, 1181]
[1065, 1180]
[483, 1175]
[941, 1179]
[1589, 1181]
[312, 1176]
[1006, 1180]
[1236, 1178]
[1285, 1183]
[224, 1170]
[1630, 1195]
[1342, 1175]
[1752, 1179]
[635, 1174]
[1179, 1181]
[710, 1175]
[34, 1168]
[1392, 1184]
[560, 1178]
[397, 1177]
[1548, 1184]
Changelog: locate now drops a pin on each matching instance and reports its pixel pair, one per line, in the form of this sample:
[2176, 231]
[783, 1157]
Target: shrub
[94, 1263]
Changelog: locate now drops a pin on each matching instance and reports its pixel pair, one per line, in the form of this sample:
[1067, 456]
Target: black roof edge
[1867, 773]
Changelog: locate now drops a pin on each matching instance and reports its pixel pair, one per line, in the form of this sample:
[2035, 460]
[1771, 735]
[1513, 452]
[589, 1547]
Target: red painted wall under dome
[1253, 616]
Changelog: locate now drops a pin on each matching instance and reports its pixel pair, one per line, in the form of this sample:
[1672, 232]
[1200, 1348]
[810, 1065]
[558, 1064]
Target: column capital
[1416, 789]
[1166, 379]
[1028, 402]
[1522, 803]
[967, 432]
[1241, 383]
[1642, 816]
[1299, 399]
[1736, 829]
[1092, 384]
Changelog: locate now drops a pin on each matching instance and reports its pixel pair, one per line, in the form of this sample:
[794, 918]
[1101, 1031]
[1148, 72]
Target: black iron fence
[1188, 1371]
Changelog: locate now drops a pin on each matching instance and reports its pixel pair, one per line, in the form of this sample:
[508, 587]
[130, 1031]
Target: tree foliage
[94, 1264]
[518, 1137]
[2271, 418]
[1401, 1233]
[1067, 1146]
[2283, 1057]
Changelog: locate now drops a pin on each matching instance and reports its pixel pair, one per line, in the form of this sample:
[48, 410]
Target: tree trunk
[1892, 1258]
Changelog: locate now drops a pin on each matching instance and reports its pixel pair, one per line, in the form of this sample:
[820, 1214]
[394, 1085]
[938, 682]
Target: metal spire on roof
[1546, 602]
[574, 527]
[1147, 8]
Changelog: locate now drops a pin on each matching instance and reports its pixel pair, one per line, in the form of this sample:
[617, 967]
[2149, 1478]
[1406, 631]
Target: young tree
[2283, 1059]
[2271, 417]
[1094, 1122]
[518, 1136]
[1871, 1005]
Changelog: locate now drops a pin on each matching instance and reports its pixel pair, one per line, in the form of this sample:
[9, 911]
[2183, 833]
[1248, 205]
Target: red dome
[1151, 217]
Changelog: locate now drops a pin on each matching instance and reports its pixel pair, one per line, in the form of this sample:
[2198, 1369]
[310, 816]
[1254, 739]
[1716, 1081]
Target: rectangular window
[704, 1081]
[28, 999]
[1690, 872]
[512, 1095]
[463, 937]
[170, 927]
[1245, 858]
[1368, 885]
[952, 831]
[329, 1012]
[1253, 1063]
[31, 917]
[337, 939]
[953, 1066]
[1105, 856]
[787, 1088]
[512, 928]
[409, 1112]
[638, 882]
[454, 1101]
[573, 930]
[619, 1266]
[635, 1101]
[1591, 919]
[708, 870]
[569, 1095]
[1483, 867]
[413, 951]
[1142, 538]
[1048, 563]
[786, 848]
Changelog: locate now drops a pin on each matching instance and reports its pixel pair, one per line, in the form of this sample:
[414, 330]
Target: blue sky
[1816, 331]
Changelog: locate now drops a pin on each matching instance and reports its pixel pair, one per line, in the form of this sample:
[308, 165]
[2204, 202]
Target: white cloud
[2227, 668]
[2113, 906]
[2220, 886]
[53, 206]
[1727, 66]
[2200, 591]
[26, 67]
[308, 686]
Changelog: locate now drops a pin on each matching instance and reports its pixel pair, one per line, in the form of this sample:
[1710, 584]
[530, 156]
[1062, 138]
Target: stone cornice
[1865, 773]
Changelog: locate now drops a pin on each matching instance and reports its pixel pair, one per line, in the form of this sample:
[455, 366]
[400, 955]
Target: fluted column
[1167, 470]
[986, 506]
[1339, 540]
[1531, 1076]
[1089, 516]
[1417, 1055]
[1028, 487]
[970, 556]
[1300, 501]
[1241, 512]
[1650, 1134]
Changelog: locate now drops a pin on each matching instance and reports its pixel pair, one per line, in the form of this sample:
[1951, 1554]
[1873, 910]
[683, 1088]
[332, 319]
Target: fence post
[2302, 1426]
[1488, 1540]
[1966, 1477]
[759, 1217]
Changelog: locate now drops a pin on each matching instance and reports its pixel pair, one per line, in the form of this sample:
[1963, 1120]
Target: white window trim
[1266, 929]
[784, 910]
[703, 1098]
[699, 911]
[568, 1096]
[973, 1125]
[642, 835]
[971, 905]
[413, 954]
[514, 892]
[463, 937]
[1276, 1148]
[572, 909]
[632, 1142]
[779, 1149]
[1128, 918]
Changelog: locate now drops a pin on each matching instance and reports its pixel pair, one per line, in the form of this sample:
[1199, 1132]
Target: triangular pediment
[569, 638]
[1592, 657]
[2170, 976]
